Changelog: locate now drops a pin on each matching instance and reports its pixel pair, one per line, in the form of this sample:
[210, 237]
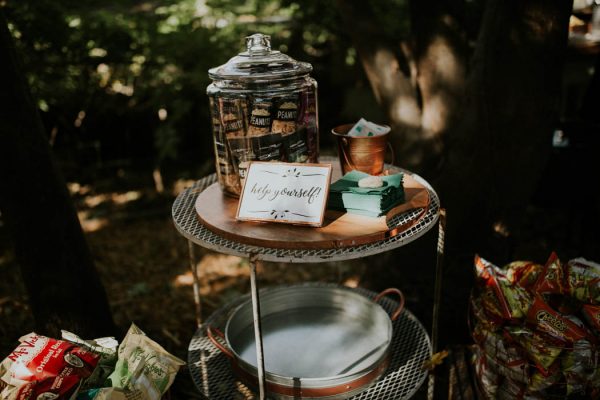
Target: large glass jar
[264, 107]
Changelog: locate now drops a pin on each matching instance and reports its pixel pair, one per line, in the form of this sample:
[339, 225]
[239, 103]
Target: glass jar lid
[259, 62]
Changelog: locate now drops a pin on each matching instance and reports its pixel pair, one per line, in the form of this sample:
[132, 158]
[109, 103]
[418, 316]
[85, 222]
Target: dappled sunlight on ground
[76, 188]
[115, 198]
[223, 265]
[214, 266]
[180, 185]
[186, 279]
[90, 224]
[352, 281]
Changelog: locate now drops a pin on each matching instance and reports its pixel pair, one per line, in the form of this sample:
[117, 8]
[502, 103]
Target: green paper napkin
[345, 194]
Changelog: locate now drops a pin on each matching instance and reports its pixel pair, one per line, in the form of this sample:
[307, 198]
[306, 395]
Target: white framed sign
[289, 193]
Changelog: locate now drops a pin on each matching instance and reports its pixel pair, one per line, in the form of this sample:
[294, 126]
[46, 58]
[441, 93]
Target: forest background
[474, 90]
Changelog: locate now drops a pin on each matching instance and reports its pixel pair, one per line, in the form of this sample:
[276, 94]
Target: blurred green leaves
[118, 62]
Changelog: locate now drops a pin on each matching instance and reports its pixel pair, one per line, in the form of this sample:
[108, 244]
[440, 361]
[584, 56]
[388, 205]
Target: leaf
[435, 360]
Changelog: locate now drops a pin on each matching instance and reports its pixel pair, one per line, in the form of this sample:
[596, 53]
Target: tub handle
[400, 307]
[211, 333]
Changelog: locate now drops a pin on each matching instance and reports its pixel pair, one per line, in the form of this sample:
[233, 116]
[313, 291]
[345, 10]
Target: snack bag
[486, 376]
[260, 117]
[579, 366]
[540, 381]
[492, 298]
[551, 280]
[144, 365]
[541, 350]
[519, 300]
[489, 320]
[513, 302]
[286, 115]
[45, 368]
[554, 324]
[106, 348]
[582, 280]
[506, 358]
[511, 390]
[592, 316]
[523, 273]
[308, 118]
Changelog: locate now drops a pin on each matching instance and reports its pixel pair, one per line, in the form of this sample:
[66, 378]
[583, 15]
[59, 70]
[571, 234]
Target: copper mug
[362, 153]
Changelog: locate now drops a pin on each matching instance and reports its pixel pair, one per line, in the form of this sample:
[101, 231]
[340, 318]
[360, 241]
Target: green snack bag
[144, 365]
[582, 280]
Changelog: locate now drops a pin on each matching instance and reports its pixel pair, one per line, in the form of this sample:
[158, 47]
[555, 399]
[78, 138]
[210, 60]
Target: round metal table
[188, 224]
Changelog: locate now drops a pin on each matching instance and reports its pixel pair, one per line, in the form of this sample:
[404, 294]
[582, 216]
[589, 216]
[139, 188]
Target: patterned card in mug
[290, 193]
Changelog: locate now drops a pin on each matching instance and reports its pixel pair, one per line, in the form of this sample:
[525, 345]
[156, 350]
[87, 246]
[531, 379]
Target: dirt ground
[144, 265]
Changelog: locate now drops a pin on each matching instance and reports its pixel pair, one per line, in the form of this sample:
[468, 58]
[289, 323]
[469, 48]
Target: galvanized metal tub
[319, 342]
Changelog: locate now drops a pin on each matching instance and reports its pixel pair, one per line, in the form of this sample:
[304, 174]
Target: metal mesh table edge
[187, 223]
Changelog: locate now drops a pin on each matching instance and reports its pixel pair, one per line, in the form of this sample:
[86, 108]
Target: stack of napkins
[367, 128]
[346, 195]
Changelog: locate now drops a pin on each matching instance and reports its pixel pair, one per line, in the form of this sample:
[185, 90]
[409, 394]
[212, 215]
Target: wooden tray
[216, 212]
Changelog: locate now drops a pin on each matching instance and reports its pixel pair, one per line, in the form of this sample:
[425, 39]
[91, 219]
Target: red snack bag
[47, 389]
[519, 300]
[579, 366]
[493, 299]
[517, 371]
[543, 351]
[511, 390]
[592, 315]
[582, 280]
[485, 270]
[540, 381]
[508, 359]
[490, 320]
[486, 376]
[523, 273]
[42, 366]
[553, 323]
[551, 280]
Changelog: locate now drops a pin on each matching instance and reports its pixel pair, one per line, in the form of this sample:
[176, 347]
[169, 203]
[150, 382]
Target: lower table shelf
[410, 347]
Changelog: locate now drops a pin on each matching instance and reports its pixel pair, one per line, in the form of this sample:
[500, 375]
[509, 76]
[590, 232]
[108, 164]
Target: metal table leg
[257, 327]
[437, 295]
[196, 280]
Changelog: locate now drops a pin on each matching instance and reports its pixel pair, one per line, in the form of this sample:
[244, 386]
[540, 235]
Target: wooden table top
[216, 212]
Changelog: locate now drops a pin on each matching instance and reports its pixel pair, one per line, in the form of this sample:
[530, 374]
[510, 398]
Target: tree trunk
[495, 125]
[484, 138]
[63, 286]
[503, 140]
[418, 80]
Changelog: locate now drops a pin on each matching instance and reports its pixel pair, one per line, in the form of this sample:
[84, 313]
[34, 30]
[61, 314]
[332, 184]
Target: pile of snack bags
[43, 368]
[536, 329]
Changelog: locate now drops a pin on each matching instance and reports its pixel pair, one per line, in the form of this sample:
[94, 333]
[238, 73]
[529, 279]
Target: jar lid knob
[258, 44]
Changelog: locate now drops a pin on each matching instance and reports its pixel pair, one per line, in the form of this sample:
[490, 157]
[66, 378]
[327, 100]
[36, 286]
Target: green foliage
[101, 71]
[110, 59]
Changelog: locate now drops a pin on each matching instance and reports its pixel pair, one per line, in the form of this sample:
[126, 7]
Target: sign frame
[285, 215]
